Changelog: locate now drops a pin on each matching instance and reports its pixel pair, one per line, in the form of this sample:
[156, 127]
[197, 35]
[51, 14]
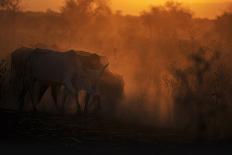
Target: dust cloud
[176, 68]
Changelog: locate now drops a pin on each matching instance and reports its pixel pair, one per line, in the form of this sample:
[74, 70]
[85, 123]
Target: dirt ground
[45, 133]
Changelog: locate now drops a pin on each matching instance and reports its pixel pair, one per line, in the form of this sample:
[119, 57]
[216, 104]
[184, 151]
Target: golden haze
[206, 8]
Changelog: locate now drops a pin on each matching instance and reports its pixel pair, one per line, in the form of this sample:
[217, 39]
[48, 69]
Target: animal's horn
[103, 69]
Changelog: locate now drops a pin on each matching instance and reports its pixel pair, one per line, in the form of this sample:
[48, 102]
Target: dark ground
[53, 134]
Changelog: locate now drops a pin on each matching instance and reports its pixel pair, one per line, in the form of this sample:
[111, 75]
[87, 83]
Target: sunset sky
[206, 8]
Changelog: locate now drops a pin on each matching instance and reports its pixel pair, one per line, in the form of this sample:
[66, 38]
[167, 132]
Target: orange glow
[38, 5]
[206, 8]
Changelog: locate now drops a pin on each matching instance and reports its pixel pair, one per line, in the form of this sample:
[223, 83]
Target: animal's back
[91, 60]
[49, 65]
[18, 60]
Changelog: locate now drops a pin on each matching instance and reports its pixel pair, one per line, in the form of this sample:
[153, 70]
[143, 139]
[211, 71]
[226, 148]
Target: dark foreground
[49, 134]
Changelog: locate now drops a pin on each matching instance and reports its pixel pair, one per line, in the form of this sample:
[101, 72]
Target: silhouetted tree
[166, 20]
[79, 13]
[12, 7]
[223, 26]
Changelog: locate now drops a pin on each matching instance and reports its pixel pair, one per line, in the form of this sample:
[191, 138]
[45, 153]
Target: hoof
[79, 112]
[35, 111]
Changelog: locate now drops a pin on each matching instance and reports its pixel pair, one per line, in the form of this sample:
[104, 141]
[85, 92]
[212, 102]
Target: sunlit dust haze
[168, 65]
[201, 8]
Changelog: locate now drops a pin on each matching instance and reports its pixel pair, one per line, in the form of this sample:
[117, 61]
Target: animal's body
[41, 68]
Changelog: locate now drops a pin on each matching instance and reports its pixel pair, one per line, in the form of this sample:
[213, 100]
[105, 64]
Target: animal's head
[91, 60]
[94, 61]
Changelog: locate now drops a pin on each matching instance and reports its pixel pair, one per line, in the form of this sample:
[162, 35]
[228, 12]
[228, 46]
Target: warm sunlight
[206, 8]
[116, 75]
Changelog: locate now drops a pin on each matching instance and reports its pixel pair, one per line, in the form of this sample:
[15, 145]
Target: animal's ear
[94, 56]
[104, 60]
[71, 50]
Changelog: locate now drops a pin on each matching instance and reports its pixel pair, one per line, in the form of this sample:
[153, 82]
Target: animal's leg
[78, 104]
[87, 100]
[34, 91]
[72, 91]
[42, 91]
[69, 86]
[97, 103]
[22, 99]
[21, 104]
[55, 88]
[65, 97]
